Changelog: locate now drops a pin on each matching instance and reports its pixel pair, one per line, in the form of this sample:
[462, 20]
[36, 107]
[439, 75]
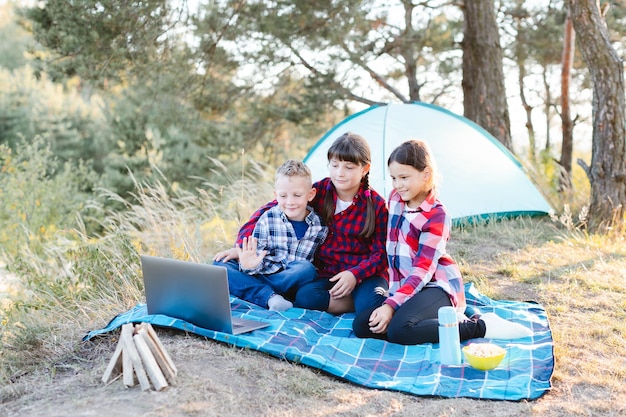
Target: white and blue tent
[480, 178]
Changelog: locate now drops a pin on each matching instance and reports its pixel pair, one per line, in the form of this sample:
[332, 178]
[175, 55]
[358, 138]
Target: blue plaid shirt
[276, 234]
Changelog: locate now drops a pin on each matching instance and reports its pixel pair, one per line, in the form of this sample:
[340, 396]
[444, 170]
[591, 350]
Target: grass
[81, 280]
[581, 281]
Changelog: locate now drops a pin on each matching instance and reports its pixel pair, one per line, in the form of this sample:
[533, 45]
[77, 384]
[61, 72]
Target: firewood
[139, 353]
[157, 342]
[128, 373]
[149, 362]
[159, 355]
[115, 365]
[131, 351]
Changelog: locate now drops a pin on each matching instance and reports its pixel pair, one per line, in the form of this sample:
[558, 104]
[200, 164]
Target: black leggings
[415, 322]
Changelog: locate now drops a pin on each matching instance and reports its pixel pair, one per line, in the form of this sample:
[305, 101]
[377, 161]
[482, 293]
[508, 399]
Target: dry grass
[47, 371]
[581, 281]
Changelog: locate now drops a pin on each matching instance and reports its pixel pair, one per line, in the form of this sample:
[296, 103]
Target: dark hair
[415, 153]
[351, 147]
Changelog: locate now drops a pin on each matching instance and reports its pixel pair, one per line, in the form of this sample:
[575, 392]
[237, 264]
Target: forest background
[134, 127]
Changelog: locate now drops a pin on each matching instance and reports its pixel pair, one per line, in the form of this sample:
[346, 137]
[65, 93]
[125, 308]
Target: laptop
[193, 292]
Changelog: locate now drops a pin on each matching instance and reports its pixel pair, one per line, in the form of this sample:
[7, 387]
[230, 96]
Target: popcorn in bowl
[484, 356]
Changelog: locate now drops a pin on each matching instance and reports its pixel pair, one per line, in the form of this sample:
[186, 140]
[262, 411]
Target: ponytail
[327, 211]
[370, 219]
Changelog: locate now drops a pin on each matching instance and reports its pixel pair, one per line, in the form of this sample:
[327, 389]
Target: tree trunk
[607, 172]
[532, 142]
[521, 57]
[567, 143]
[484, 96]
[547, 107]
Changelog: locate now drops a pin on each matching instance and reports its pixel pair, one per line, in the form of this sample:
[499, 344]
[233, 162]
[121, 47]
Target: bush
[75, 278]
[39, 197]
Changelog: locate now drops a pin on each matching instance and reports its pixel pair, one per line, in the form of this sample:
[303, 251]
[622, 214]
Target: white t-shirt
[341, 205]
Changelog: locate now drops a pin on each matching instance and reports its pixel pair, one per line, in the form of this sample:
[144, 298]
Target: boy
[277, 258]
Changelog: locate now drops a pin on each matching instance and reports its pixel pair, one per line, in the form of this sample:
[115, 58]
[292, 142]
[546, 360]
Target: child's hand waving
[248, 256]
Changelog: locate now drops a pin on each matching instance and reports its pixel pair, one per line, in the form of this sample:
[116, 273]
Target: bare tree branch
[349, 94]
[373, 74]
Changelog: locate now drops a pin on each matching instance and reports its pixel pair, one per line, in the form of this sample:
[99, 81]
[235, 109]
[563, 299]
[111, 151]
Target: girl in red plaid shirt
[423, 276]
[351, 263]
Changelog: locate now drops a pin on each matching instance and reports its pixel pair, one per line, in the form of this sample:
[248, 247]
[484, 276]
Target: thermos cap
[447, 315]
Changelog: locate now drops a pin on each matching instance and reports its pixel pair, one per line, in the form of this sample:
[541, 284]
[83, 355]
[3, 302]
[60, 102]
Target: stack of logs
[140, 356]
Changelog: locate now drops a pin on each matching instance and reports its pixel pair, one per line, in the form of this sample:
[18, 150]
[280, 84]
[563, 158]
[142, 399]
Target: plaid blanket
[326, 342]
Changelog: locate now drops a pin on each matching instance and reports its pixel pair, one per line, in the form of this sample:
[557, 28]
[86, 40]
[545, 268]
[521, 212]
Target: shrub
[76, 278]
[38, 195]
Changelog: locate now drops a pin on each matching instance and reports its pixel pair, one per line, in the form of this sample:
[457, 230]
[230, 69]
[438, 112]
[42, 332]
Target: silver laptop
[196, 293]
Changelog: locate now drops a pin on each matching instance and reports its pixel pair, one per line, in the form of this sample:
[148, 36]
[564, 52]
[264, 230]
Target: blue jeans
[367, 294]
[259, 288]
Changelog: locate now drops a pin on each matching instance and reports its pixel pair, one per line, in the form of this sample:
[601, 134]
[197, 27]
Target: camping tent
[479, 176]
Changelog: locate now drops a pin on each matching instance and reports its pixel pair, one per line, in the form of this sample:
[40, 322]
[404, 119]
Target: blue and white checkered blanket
[326, 342]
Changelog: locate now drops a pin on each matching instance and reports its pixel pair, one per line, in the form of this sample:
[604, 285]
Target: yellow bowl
[484, 356]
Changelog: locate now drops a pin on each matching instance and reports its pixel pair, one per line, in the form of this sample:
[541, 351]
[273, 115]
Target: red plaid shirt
[417, 253]
[343, 249]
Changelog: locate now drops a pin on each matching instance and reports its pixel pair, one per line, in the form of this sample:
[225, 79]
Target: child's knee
[313, 298]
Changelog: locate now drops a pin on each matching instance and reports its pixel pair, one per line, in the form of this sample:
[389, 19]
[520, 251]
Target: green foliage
[146, 126]
[540, 32]
[39, 196]
[156, 133]
[72, 125]
[41, 200]
[374, 48]
[13, 39]
[97, 40]
[169, 101]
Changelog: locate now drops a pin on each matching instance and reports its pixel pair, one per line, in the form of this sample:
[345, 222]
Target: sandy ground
[217, 380]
